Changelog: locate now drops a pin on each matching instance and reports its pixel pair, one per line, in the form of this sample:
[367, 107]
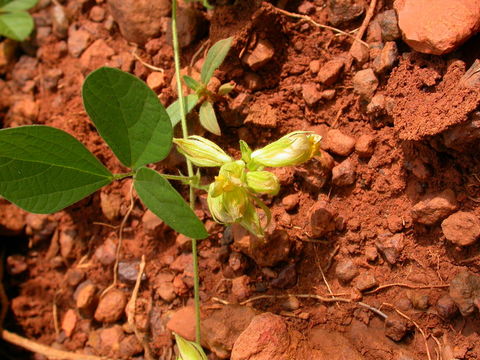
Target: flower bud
[227, 207]
[263, 182]
[189, 350]
[292, 149]
[202, 152]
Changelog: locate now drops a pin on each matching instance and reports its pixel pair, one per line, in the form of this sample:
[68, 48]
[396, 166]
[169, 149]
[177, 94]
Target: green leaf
[192, 83]
[43, 169]
[174, 109]
[225, 88]
[128, 115]
[208, 119]
[17, 5]
[16, 25]
[165, 202]
[215, 57]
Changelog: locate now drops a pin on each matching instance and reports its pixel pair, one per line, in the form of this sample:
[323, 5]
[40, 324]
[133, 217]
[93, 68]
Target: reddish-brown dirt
[322, 223]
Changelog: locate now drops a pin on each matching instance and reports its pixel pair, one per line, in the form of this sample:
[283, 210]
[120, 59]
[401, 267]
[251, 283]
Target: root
[408, 286]
[147, 65]
[361, 30]
[131, 309]
[119, 245]
[322, 26]
[44, 350]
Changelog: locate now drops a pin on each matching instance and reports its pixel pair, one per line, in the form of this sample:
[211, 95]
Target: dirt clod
[365, 146]
[338, 143]
[465, 292]
[391, 247]
[442, 33]
[365, 83]
[389, 24]
[446, 307]
[321, 219]
[344, 174]
[396, 327]
[261, 54]
[366, 281]
[461, 228]
[434, 208]
[330, 72]
[111, 306]
[346, 270]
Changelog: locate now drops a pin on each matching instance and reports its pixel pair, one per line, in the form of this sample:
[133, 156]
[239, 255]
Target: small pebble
[111, 306]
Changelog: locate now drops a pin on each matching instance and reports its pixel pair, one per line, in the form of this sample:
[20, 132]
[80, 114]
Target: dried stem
[408, 286]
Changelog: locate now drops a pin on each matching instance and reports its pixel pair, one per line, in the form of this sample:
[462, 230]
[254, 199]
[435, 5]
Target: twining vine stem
[176, 55]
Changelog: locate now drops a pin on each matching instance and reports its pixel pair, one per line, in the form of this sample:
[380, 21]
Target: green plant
[203, 96]
[189, 350]
[15, 22]
[43, 169]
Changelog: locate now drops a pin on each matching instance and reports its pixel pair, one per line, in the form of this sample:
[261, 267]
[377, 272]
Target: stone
[241, 288]
[396, 327]
[111, 306]
[360, 52]
[85, 298]
[321, 219]
[237, 262]
[261, 54]
[59, 21]
[389, 24]
[328, 94]
[110, 204]
[182, 322]
[286, 278]
[343, 11]
[346, 270]
[150, 222]
[51, 79]
[190, 26]
[97, 13]
[222, 327]
[270, 251]
[365, 146]
[266, 337]
[394, 223]
[366, 281]
[156, 80]
[182, 262]
[128, 271]
[446, 307]
[462, 135]
[166, 291]
[338, 143]
[74, 277]
[434, 208]
[371, 253]
[24, 111]
[106, 253]
[96, 55]
[330, 72]
[139, 20]
[69, 322]
[290, 201]
[437, 27]
[420, 300]
[106, 341]
[310, 94]
[344, 174]
[365, 83]
[391, 247]
[67, 239]
[78, 41]
[377, 105]
[465, 292]
[129, 347]
[461, 228]
[386, 59]
[314, 66]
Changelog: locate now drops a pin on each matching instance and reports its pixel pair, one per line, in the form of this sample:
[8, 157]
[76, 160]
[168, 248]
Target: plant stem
[178, 177]
[196, 279]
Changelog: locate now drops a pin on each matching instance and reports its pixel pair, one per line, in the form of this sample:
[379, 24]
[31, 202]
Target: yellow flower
[292, 149]
[227, 207]
[263, 182]
[202, 152]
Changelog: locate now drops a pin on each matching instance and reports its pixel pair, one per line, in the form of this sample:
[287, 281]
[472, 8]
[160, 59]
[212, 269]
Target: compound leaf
[174, 109]
[16, 25]
[16, 5]
[44, 169]
[215, 57]
[208, 119]
[128, 115]
[165, 202]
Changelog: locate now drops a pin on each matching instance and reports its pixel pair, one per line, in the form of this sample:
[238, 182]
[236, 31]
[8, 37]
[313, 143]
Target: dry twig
[408, 286]
[322, 26]
[119, 245]
[147, 65]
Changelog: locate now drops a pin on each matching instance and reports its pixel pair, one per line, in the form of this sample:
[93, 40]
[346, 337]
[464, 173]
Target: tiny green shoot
[202, 95]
